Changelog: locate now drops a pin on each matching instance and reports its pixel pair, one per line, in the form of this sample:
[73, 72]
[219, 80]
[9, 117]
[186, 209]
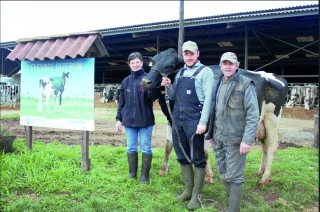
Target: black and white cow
[296, 96]
[13, 92]
[311, 93]
[271, 92]
[107, 93]
[116, 93]
[52, 87]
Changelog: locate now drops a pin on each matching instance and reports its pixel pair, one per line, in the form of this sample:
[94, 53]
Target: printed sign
[58, 94]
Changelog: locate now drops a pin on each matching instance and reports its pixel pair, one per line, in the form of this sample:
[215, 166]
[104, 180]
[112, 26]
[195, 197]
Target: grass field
[50, 179]
[72, 108]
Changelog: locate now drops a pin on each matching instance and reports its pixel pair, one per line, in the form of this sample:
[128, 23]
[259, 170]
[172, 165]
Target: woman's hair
[135, 55]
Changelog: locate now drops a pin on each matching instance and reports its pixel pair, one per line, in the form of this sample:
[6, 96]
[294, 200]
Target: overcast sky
[44, 18]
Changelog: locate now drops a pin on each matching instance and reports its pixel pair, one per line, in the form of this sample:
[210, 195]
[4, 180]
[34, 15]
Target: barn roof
[64, 46]
[217, 19]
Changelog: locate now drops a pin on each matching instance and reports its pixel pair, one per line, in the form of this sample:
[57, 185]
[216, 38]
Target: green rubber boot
[199, 176]
[187, 176]
[235, 197]
[227, 185]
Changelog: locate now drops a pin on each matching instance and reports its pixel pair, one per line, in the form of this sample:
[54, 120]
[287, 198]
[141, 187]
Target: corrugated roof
[224, 18]
[59, 47]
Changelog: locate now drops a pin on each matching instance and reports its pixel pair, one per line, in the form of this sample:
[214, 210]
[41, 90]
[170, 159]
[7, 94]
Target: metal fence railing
[5, 94]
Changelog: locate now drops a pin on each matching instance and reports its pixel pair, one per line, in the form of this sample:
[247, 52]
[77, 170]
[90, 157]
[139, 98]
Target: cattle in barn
[12, 93]
[116, 93]
[296, 97]
[311, 92]
[107, 93]
[52, 87]
[271, 93]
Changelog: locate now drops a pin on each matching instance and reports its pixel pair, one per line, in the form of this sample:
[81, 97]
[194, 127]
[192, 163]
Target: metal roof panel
[42, 48]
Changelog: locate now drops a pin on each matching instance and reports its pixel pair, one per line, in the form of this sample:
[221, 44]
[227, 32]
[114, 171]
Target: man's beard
[193, 63]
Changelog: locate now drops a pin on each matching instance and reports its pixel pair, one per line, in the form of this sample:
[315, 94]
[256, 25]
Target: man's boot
[146, 165]
[133, 164]
[227, 185]
[199, 176]
[235, 197]
[187, 176]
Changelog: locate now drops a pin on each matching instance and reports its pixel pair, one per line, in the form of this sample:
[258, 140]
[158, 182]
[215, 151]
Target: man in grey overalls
[233, 125]
[191, 91]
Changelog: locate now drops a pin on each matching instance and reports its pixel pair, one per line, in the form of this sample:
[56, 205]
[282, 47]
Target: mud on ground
[296, 128]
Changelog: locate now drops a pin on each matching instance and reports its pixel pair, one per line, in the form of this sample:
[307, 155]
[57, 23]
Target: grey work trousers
[230, 163]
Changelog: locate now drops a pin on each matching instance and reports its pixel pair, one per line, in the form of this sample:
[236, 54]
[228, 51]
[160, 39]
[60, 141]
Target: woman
[135, 113]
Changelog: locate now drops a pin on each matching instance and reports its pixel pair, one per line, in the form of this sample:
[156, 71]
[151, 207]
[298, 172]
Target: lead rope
[199, 198]
[166, 97]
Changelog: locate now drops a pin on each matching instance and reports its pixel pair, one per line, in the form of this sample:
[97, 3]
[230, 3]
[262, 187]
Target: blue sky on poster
[23, 19]
[81, 76]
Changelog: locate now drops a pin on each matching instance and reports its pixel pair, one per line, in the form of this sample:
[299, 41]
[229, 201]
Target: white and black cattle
[116, 93]
[311, 92]
[107, 93]
[13, 91]
[296, 96]
[52, 87]
[271, 93]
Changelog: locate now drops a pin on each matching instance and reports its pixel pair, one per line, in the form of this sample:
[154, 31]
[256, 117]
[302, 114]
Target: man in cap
[191, 91]
[233, 125]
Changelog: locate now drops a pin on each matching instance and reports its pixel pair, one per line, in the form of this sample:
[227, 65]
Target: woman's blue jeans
[145, 135]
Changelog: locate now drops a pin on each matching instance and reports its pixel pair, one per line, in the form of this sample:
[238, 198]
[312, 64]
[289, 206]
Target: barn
[284, 41]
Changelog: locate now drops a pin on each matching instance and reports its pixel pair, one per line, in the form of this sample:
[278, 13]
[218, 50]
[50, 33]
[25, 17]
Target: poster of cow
[58, 94]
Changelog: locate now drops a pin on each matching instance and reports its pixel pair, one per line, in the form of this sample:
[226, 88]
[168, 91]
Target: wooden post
[158, 44]
[181, 29]
[316, 129]
[28, 131]
[85, 164]
[246, 48]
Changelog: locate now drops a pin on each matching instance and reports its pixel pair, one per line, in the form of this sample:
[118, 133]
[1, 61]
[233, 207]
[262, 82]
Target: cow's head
[65, 75]
[163, 64]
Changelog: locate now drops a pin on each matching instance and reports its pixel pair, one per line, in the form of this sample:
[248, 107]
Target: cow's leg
[60, 102]
[14, 102]
[261, 136]
[47, 103]
[209, 174]
[165, 165]
[272, 123]
[290, 103]
[40, 103]
[313, 101]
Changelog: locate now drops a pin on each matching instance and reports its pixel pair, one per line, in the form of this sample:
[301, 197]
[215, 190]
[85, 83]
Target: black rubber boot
[187, 175]
[146, 165]
[133, 164]
[199, 176]
[235, 197]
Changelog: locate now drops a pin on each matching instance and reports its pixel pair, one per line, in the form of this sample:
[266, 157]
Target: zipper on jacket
[134, 102]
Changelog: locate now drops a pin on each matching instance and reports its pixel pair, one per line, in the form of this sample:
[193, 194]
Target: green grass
[10, 116]
[72, 108]
[50, 178]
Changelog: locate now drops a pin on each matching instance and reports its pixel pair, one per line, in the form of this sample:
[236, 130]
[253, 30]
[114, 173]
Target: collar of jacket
[135, 74]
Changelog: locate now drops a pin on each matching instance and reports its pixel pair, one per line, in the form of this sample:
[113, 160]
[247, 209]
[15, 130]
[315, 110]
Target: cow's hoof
[209, 180]
[264, 181]
[163, 171]
[259, 173]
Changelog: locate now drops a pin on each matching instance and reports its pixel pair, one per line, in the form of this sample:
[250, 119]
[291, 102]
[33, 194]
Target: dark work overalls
[186, 115]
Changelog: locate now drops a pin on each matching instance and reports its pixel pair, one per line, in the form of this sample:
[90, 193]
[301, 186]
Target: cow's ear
[147, 63]
[179, 62]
